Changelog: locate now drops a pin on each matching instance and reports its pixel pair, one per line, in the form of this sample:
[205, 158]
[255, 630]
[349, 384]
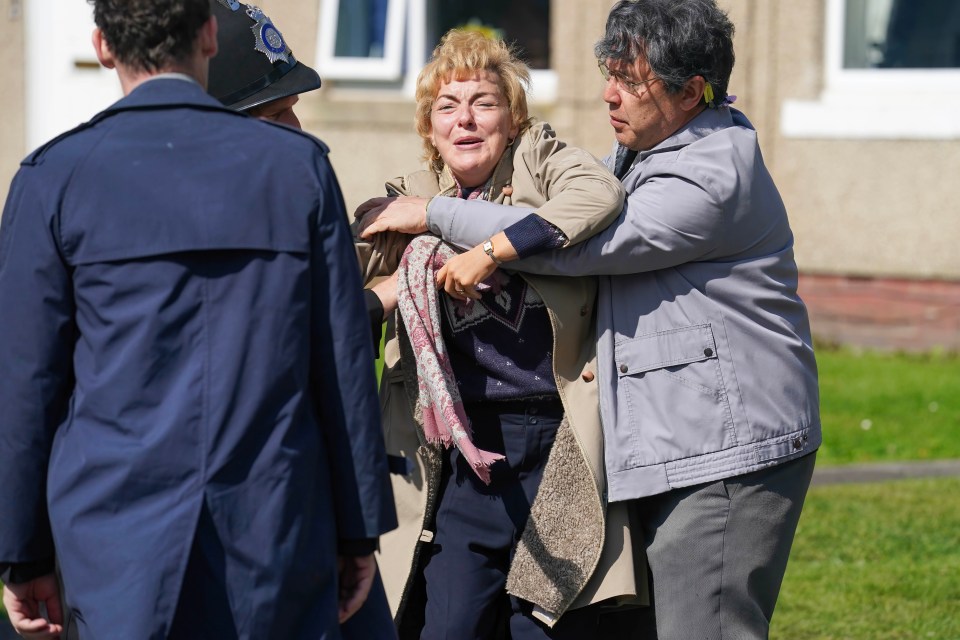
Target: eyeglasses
[629, 86]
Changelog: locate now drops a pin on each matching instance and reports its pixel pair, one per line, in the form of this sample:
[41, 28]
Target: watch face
[488, 249]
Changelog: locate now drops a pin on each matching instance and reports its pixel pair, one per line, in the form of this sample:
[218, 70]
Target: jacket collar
[707, 122]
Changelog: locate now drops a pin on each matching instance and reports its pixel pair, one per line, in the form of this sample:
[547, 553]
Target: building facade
[853, 101]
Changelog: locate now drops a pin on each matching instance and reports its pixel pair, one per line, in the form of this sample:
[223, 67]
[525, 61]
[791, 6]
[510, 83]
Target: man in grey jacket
[708, 383]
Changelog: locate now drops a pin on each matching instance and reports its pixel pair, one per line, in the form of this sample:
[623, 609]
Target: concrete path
[879, 472]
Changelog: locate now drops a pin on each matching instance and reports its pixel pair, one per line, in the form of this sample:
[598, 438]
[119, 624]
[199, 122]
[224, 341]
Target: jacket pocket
[670, 382]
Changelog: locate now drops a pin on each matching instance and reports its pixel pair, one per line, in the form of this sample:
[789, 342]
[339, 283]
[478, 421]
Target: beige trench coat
[576, 549]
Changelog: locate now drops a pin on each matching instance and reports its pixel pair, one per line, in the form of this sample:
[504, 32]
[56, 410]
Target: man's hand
[356, 578]
[23, 606]
[386, 290]
[403, 214]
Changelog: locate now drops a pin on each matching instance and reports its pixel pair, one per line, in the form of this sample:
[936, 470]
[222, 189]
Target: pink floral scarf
[444, 418]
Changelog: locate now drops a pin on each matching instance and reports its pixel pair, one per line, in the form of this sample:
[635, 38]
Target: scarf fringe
[482, 466]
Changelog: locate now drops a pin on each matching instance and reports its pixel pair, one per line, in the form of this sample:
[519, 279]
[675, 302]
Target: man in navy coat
[189, 422]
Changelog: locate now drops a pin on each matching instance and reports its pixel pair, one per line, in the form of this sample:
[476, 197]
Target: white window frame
[344, 67]
[406, 22]
[874, 103]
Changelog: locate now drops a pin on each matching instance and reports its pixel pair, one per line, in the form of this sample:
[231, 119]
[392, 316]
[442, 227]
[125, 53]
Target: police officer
[189, 420]
[246, 75]
[245, 78]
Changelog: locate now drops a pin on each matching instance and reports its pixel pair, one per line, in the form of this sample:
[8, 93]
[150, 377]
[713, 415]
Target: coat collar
[165, 91]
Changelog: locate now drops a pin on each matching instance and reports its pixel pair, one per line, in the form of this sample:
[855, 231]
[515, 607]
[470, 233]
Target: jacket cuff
[356, 548]
[533, 235]
[20, 572]
[438, 220]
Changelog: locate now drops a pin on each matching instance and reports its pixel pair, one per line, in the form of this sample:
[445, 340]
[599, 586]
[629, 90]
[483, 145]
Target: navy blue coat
[182, 332]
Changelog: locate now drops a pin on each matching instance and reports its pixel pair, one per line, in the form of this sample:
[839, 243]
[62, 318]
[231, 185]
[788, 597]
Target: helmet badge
[268, 39]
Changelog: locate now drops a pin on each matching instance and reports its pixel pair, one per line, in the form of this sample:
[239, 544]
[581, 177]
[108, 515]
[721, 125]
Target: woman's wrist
[499, 249]
[490, 250]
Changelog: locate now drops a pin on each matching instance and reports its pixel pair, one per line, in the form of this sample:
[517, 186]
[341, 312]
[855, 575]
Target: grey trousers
[717, 553]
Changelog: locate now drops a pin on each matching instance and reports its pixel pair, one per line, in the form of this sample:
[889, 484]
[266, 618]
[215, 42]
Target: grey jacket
[705, 359]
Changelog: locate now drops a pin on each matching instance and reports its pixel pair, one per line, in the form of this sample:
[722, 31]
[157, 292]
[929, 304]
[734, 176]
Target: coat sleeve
[670, 219]
[582, 196]
[37, 337]
[342, 373]
[381, 256]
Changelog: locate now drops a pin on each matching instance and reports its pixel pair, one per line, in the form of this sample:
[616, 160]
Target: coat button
[708, 352]
[584, 310]
[587, 376]
[797, 443]
[508, 191]
[624, 368]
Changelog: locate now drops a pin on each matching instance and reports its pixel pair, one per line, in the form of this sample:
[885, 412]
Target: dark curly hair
[679, 39]
[150, 35]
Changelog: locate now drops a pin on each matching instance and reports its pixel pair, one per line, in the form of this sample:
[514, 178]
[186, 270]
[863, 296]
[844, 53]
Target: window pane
[910, 34]
[361, 29]
[523, 23]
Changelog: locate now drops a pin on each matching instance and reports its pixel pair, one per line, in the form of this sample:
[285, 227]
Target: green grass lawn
[888, 407]
[875, 562]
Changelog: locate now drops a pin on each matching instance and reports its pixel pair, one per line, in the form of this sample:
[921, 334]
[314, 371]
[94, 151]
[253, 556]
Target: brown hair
[150, 35]
[460, 54]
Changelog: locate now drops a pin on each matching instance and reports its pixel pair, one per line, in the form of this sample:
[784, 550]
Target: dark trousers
[718, 552]
[478, 527]
[203, 611]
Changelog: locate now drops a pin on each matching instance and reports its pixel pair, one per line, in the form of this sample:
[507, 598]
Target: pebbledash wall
[865, 161]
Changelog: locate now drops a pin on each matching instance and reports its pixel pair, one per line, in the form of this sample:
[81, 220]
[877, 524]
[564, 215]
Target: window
[892, 71]
[381, 42]
[902, 34]
[361, 39]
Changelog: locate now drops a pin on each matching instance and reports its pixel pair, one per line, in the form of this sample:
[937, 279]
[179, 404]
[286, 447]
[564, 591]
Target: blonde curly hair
[459, 55]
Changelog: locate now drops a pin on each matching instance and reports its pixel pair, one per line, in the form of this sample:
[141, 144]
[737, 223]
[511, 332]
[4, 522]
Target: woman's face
[471, 126]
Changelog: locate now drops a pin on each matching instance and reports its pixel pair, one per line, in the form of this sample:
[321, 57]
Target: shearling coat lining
[558, 549]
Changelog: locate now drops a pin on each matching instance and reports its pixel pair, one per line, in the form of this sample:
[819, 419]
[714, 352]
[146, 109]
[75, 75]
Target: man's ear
[102, 49]
[692, 94]
[208, 38]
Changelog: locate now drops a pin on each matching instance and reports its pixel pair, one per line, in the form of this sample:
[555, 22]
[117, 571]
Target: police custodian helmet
[254, 65]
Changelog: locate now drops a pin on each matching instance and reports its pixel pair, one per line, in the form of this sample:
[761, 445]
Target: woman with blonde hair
[490, 411]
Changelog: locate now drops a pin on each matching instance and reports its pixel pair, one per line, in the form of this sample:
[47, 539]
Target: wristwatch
[488, 249]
